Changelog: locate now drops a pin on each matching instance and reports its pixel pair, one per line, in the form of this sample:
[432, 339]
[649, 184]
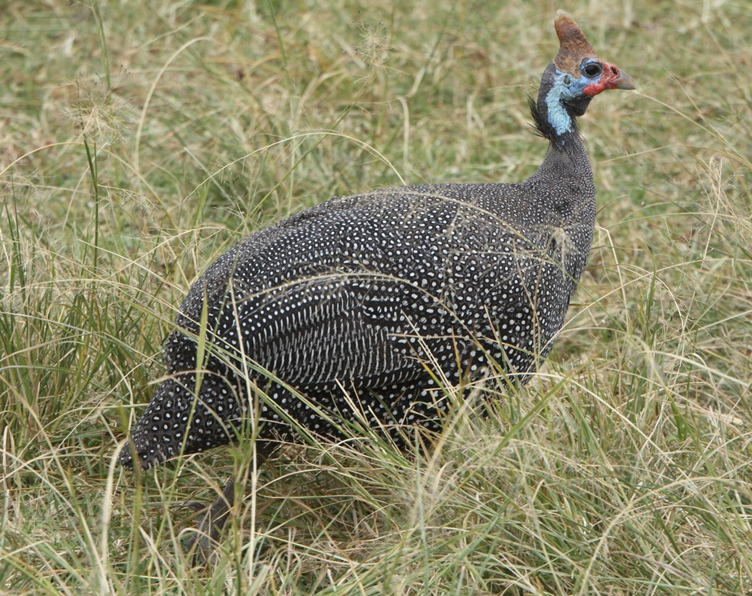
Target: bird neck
[555, 116]
[557, 107]
[567, 158]
[566, 154]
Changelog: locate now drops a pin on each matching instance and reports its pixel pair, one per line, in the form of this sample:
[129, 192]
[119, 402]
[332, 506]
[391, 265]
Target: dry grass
[139, 141]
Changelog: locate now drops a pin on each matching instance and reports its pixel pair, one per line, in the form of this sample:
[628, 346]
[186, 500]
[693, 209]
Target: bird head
[575, 76]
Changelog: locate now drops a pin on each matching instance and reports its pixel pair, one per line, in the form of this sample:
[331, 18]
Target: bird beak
[618, 79]
[623, 81]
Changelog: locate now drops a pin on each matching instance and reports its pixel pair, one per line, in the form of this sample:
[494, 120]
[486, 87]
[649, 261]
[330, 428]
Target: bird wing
[333, 328]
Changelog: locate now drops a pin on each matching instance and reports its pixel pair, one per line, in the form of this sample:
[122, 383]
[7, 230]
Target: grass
[138, 141]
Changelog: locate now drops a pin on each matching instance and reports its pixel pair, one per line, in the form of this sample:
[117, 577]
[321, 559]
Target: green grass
[138, 141]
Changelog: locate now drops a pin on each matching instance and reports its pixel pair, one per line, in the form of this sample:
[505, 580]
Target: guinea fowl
[356, 311]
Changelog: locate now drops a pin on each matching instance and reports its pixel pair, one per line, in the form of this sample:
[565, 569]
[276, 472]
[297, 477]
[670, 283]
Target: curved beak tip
[623, 81]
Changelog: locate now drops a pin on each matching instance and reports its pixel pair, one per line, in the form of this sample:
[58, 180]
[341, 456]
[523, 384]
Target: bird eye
[593, 69]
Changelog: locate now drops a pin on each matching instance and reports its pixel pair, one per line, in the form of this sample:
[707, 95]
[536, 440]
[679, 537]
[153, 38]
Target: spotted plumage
[358, 310]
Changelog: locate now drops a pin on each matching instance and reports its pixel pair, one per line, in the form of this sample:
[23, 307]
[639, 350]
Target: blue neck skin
[565, 88]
